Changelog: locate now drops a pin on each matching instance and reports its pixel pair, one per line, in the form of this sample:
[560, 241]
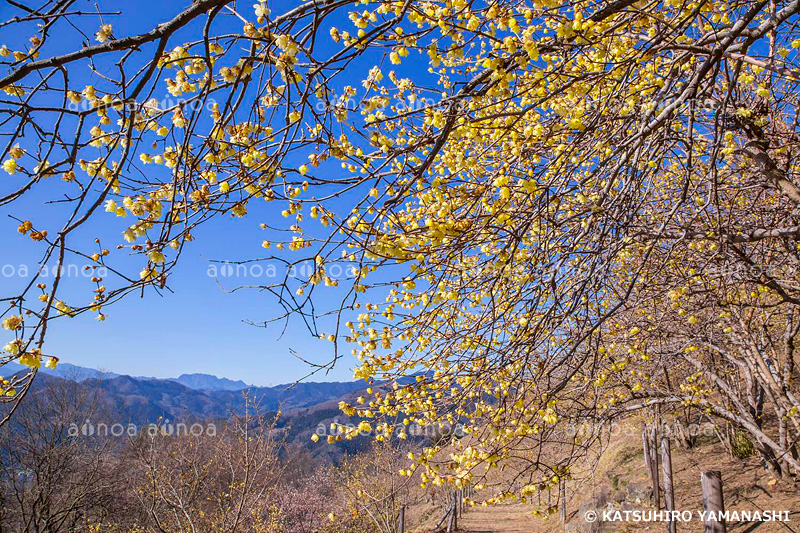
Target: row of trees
[242, 477]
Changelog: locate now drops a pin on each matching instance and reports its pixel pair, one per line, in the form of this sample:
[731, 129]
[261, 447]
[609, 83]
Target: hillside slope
[616, 479]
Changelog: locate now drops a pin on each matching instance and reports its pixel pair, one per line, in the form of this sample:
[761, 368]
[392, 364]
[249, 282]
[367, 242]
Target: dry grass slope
[620, 467]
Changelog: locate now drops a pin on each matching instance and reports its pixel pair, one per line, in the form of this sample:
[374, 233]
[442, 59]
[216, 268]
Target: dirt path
[501, 519]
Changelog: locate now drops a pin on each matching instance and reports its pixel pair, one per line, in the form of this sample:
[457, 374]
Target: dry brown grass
[619, 462]
[514, 518]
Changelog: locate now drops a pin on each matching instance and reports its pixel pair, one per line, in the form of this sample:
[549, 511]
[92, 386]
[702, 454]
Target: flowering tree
[542, 222]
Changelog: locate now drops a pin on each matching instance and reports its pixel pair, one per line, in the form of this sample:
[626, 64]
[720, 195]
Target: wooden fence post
[452, 521]
[669, 492]
[713, 503]
[455, 511]
[654, 467]
[650, 450]
[452, 525]
[401, 521]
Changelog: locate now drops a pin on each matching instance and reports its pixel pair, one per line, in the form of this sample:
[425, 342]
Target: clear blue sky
[199, 327]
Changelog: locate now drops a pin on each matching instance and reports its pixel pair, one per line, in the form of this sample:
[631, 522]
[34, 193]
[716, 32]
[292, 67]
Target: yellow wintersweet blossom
[540, 212]
[31, 359]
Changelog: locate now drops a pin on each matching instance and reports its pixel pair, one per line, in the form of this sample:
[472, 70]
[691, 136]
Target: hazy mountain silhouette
[79, 373]
[191, 396]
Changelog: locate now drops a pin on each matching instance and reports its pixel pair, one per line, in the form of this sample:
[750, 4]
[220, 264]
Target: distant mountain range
[209, 382]
[79, 373]
[305, 407]
[141, 400]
